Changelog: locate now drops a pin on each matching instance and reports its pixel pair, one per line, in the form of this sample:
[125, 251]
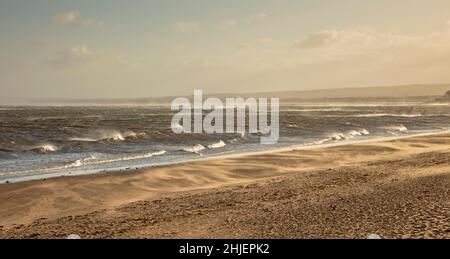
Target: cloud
[318, 39]
[186, 26]
[73, 56]
[356, 39]
[227, 24]
[74, 18]
[371, 55]
[257, 17]
[257, 44]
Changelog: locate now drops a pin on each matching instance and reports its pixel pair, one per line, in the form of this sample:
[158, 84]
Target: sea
[39, 142]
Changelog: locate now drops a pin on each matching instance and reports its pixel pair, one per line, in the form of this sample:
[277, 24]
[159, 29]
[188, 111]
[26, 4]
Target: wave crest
[349, 134]
[46, 148]
[195, 149]
[217, 145]
[400, 128]
[109, 135]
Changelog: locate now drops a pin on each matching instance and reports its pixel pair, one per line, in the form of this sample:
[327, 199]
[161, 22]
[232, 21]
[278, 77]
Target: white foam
[178, 127]
[132, 134]
[80, 162]
[132, 157]
[83, 139]
[348, 135]
[217, 145]
[400, 128]
[46, 148]
[92, 160]
[195, 149]
[113, 135]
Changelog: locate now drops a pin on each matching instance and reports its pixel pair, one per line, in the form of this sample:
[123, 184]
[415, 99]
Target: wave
[234, 141]
[83, 139]
[195, 149]
[319, 142]
[259, 133]
[132, 157]
[99, 135]
[337, 136]
[111, 135]
[400, 128]
[315, 143]
[388, 115]
[293, 126]
[46, 148]
[361, 132]
[242, 136]
[177, 127]
[92, 160]
[132, 134]
[348, 135]
[80, 162]
[217, 145]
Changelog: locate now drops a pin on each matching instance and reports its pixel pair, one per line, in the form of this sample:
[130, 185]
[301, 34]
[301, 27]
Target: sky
[65, 49]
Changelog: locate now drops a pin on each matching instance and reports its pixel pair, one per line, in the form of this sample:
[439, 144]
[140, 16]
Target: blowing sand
[396, 189]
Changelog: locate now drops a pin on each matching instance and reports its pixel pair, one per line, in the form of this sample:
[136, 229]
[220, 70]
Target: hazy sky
[145, 48]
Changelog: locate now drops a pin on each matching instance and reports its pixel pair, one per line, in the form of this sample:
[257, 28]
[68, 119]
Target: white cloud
[80, 51]
[257, 17]
[257, 44]
[318, 39]
[186, 26]
[73, 56]
[358, 39]
[74, 18]
[227, 24]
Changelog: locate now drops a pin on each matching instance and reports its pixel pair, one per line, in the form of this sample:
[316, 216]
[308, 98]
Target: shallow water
[39, 142]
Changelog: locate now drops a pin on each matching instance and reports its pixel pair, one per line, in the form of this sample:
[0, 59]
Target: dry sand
[396, 189]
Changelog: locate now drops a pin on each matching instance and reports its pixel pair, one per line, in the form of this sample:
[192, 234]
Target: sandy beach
[396, 189]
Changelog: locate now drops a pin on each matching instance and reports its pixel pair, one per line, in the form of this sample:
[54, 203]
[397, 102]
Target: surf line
[213, 122]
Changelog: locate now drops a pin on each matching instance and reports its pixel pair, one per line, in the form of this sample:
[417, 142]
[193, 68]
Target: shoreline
[227, 191]
[295, 147]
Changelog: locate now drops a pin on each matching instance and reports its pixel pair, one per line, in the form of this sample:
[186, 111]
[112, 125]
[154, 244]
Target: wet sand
[396, 189]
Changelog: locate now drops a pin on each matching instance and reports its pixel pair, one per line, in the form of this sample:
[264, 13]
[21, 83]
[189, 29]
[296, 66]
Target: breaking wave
[80, 162]
[217, 145]
[195, 149]
[400, 128]
[93, 160]
[47, 148]
[132, 157]
[132, 134]
[111, 135]
[348, 135]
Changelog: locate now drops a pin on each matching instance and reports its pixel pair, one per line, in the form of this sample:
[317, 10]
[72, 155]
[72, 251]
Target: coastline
[319, 181]
[297, 147]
